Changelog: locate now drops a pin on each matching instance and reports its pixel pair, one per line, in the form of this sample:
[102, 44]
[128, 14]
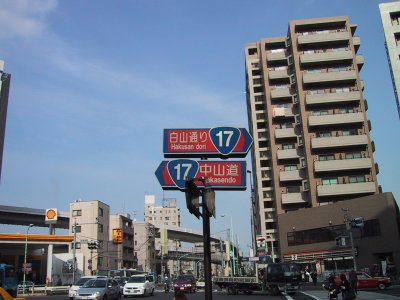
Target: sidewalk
[321, 294]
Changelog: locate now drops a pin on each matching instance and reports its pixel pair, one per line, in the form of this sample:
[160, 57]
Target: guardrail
[44, 290]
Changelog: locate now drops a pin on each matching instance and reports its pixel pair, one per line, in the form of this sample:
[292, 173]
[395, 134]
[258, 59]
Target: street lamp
[26, 251]
[231, 245]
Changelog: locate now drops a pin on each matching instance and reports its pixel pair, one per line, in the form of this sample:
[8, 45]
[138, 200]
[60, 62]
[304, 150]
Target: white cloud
[24, 18]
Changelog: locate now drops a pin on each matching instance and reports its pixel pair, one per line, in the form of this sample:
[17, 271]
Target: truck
[274, 278]
[8, 279]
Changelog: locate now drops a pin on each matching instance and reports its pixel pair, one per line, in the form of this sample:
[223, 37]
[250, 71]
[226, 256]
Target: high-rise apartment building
[168, 214]
[121, 242]
[307, 115]
[390, 15]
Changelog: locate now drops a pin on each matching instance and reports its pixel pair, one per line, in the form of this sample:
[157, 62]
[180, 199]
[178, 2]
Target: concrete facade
[124, 250]
[390, 15]
[307, 115]
[310, 240]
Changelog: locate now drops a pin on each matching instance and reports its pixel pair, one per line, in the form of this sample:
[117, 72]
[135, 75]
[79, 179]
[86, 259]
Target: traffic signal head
[357, 222]
[209, 200]
[192, 194]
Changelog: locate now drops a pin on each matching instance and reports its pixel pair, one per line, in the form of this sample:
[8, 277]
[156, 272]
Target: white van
[73, 288]
[139, 285]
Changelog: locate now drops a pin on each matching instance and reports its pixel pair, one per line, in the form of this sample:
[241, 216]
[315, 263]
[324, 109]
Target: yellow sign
[117, 236]
[51, 216]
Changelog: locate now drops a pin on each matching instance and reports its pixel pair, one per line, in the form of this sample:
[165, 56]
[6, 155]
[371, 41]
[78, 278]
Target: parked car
[139, 285]
[28, 286]
[185, 283]
[366, 281]
[99, 288]
[73, 288]
[200, 284]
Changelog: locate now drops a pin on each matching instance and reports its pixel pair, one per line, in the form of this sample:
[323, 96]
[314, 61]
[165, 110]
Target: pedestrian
[353, 280]
[332, 287]
[179, 296]
[314, 277]
[347, 292]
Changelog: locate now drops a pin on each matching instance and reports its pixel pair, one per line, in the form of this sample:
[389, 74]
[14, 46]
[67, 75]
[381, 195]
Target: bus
[120, 272]
[8, 279]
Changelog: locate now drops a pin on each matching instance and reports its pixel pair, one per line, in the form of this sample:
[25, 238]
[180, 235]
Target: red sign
[207, 142]
[220, 175]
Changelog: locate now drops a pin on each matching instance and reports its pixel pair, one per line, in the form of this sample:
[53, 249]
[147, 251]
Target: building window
[345, 110]
[330, 181]
[99, 261]
[349, 132]
[100, 212]
[342, 89]
[293, 189]
[252, 51]
[77, 213]
[324, 134]
[288, 146]
[356, 179]
[290, 168]
[324, 157]
[287, 125]
[100, 227]
[395, 18]
[320, 113]
[77, 228]
[353, 155]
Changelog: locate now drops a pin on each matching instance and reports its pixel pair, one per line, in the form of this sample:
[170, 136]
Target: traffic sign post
[223, 142]
[201, 178]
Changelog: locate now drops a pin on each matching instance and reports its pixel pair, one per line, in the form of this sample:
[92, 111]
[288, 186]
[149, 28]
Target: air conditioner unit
[297, 119]
[306, 185]
[300, 140]
[295, 99]
[292, 79]
[288, 43]
[290, 60]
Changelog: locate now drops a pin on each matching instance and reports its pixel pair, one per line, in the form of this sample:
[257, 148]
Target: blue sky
[95, 82]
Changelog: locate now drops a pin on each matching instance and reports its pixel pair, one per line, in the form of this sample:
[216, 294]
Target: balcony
[360, 61]
[294, 198]
[288, 154]
[278, 74]
[281, 93]
[342, 164]
[356, 42]
[346, 189]
[339, 141]
[290, 175]
[329, 98]
[323, 38]
[333, 77]
[316, 58]
[282, 133]
[276, 56]
[336, 119]
[284, 112]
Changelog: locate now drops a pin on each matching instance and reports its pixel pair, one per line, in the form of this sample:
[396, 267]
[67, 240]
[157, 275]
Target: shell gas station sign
[51, 216]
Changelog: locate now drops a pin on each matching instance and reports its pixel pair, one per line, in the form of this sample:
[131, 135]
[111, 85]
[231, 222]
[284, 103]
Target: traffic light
[192, 194]
[93, 245]
[209, 200]
[340, 241]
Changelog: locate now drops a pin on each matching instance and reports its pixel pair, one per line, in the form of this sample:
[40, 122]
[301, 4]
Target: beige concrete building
[121, 241]
[144, 243]
[390, 15]
[90, 221]
[307, 115]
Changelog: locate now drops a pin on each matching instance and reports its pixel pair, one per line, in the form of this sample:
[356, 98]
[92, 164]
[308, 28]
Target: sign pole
[207, 251]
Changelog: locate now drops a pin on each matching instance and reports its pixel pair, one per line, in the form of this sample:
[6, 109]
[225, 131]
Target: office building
[5, 79]
[90, 221]
[307, 115]
[390, 15]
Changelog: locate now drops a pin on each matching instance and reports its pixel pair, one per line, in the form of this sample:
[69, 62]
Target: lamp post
[231, 245]
[26, 251]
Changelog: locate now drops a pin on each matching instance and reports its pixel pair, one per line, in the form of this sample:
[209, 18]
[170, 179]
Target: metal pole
[348, 227]
[207, 252]
[25, 254]
[74, 254]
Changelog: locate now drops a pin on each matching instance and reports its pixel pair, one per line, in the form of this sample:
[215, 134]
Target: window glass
[293, 189]
[353, 155]
[324, 157]
[356, 179]
[329, 181]
[290, 167]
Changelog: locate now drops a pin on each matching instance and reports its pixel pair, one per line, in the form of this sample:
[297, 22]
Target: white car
[139, 285]
[73, 288]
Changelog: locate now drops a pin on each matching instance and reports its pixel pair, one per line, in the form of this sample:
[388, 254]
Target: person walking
[347, 292]
[314, 277]
[332, 287]
[353, 280]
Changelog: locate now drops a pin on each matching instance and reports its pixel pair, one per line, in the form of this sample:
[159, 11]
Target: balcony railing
[346, 189]
[342, 164]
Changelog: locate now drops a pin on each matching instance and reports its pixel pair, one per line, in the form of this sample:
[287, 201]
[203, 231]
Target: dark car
[185, 283]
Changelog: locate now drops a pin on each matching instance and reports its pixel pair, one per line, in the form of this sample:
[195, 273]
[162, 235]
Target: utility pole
[348, 222]
[74, 255]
